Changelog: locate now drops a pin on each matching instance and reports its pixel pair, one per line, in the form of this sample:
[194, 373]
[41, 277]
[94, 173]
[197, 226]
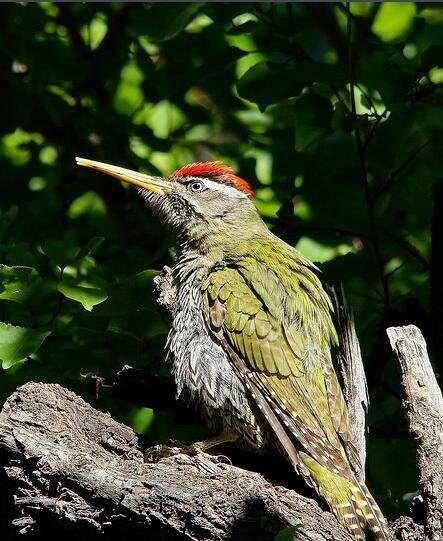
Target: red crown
[217, 171]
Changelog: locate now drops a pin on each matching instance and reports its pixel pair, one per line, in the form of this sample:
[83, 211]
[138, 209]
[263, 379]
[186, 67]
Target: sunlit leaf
[394, 19]
[129, 94]
[89, 203]
[142, 419]
[18, 283]
[17, 343]
[288, 534]
[88, 297]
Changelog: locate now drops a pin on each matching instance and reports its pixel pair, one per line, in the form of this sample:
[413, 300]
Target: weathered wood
[351, 367]
[71, 466]
[423, 403]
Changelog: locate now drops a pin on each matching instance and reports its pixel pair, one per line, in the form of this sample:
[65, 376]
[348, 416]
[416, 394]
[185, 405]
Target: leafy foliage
[335, 116]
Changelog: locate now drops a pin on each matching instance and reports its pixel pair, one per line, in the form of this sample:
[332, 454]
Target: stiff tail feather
[360, 514]
[369, 512]
[349, 499]
[346, 495]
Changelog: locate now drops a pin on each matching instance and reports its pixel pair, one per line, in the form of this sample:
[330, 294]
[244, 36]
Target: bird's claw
[171, 448]
[199, 448]
[157, 452]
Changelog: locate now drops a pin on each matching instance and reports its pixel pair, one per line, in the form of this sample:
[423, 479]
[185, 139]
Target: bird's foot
[162, 450]
[172, 448]
[201, 448]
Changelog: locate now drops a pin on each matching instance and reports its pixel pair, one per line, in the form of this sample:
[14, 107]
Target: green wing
[280, 328]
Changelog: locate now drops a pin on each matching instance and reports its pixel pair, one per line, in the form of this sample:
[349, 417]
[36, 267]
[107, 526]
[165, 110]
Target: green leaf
[164, 21]
[142, 420]
[18, 283]
[17, 343]
[391, 75]
[132, 295]
[59, 253]
[144, 326]
[90, 247]
[394, 19]
[269, 82]
[24, 254]
[88, 204]
[88, 297]
[6, 219]
[62, 254]
[288, 534]
[243, 28]
[312, 119]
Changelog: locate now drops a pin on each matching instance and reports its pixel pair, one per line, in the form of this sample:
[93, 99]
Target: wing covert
[248, 324]
[293, 375]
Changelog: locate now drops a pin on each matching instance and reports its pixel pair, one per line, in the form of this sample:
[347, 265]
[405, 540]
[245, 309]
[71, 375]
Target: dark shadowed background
[334, 114]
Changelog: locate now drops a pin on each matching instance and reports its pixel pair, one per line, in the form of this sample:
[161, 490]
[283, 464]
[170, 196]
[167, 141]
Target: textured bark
[69, 468]
[423, 403]
[68, 465]
[351, 367]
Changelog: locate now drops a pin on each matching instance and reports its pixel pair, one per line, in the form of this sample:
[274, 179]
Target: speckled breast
[203, 373]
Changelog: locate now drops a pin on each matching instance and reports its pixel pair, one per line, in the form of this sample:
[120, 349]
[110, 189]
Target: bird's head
[196, 201]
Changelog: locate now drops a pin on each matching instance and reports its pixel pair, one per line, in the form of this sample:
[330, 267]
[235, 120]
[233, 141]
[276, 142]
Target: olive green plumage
[251, 335]
[268, 305]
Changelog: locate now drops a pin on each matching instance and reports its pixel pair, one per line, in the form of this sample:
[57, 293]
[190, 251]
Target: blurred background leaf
[266, 87]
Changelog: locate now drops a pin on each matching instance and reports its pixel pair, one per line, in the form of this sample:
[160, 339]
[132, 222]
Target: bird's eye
[196, 186]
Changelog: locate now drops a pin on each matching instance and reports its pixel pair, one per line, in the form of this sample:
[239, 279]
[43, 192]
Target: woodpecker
[252, 332]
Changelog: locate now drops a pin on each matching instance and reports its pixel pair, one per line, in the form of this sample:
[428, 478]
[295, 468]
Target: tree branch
[423, 402]
[67, 465]
[70, 465]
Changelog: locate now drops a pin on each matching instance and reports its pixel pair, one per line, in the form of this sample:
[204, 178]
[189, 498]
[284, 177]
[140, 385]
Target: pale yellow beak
[153, 184]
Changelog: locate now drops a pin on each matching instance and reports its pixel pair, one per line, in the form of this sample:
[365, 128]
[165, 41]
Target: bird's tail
[373, 518]
[349, 499]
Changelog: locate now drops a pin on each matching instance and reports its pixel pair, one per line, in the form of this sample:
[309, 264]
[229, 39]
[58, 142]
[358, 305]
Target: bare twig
[423, 402]
[396, 173]
[363, 172]
[409, 248]
[374, 126]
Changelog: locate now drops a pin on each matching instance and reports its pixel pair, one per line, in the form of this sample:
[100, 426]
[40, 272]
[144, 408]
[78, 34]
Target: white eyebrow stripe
[213, 184]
